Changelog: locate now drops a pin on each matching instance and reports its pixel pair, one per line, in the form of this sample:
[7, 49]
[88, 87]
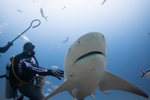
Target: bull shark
[85, 69]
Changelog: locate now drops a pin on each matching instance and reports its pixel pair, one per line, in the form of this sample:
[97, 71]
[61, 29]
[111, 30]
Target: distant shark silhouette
[85, 69]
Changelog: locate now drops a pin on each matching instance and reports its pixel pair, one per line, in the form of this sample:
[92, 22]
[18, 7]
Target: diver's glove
[6, 47]
[56, 73]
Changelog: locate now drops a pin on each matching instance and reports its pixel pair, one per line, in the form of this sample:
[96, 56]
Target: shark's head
[87, 45]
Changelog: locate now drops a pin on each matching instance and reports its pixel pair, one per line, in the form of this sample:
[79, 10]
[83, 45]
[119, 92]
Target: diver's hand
[56, 73]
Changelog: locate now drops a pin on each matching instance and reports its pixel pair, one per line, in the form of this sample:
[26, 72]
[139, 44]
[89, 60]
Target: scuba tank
[10, 92]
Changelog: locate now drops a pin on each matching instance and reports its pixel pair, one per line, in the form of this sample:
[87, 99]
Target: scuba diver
[23, 69]
[6, 47]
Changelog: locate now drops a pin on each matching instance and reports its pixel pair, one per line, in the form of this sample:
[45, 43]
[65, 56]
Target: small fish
[25, 38]
[33, 1]
[59, 47]
[64, 7]
[48, 82]
[55, 86]
[2, 26]
[20, 11]
[106, 91]
[147, 74]
[51, 84]
[66, 40]
[93, 97]
[42, 14]
[54, 67]
[50, 90]
[46, 94]
[103, 2]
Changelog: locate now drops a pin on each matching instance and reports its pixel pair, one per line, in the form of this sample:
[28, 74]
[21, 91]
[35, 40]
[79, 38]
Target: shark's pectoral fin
[111, 81]
[61, 88]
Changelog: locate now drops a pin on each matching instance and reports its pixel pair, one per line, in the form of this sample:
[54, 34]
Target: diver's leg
[31, 91]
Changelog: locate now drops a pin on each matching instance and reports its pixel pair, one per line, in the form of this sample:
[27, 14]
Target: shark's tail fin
[142, 74]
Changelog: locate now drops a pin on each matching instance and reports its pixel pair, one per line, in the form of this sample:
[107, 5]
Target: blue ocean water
[124, 23]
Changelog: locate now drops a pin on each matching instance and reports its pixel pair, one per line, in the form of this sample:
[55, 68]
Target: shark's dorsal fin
[63, 87]
[111, 81]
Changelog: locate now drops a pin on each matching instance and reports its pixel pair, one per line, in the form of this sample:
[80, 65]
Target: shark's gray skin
[85, 69]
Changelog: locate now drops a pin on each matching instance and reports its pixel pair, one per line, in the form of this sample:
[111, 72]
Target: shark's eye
[69, 49]
[79, 42]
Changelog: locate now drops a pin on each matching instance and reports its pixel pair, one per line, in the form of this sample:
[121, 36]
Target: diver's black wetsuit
[26, 67]
[5, 48]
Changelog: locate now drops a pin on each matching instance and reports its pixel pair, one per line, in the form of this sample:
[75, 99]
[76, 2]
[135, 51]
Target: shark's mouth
[89, 54]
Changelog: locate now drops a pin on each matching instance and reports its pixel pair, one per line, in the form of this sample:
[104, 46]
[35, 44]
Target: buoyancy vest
[15, 80]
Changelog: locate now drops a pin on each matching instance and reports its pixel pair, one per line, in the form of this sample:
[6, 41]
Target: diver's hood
[28, 54]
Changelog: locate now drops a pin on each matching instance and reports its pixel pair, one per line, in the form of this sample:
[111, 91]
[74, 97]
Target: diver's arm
[3, 76]
[3, 49]
[44, 71]
[35, 69]
[6, 47]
